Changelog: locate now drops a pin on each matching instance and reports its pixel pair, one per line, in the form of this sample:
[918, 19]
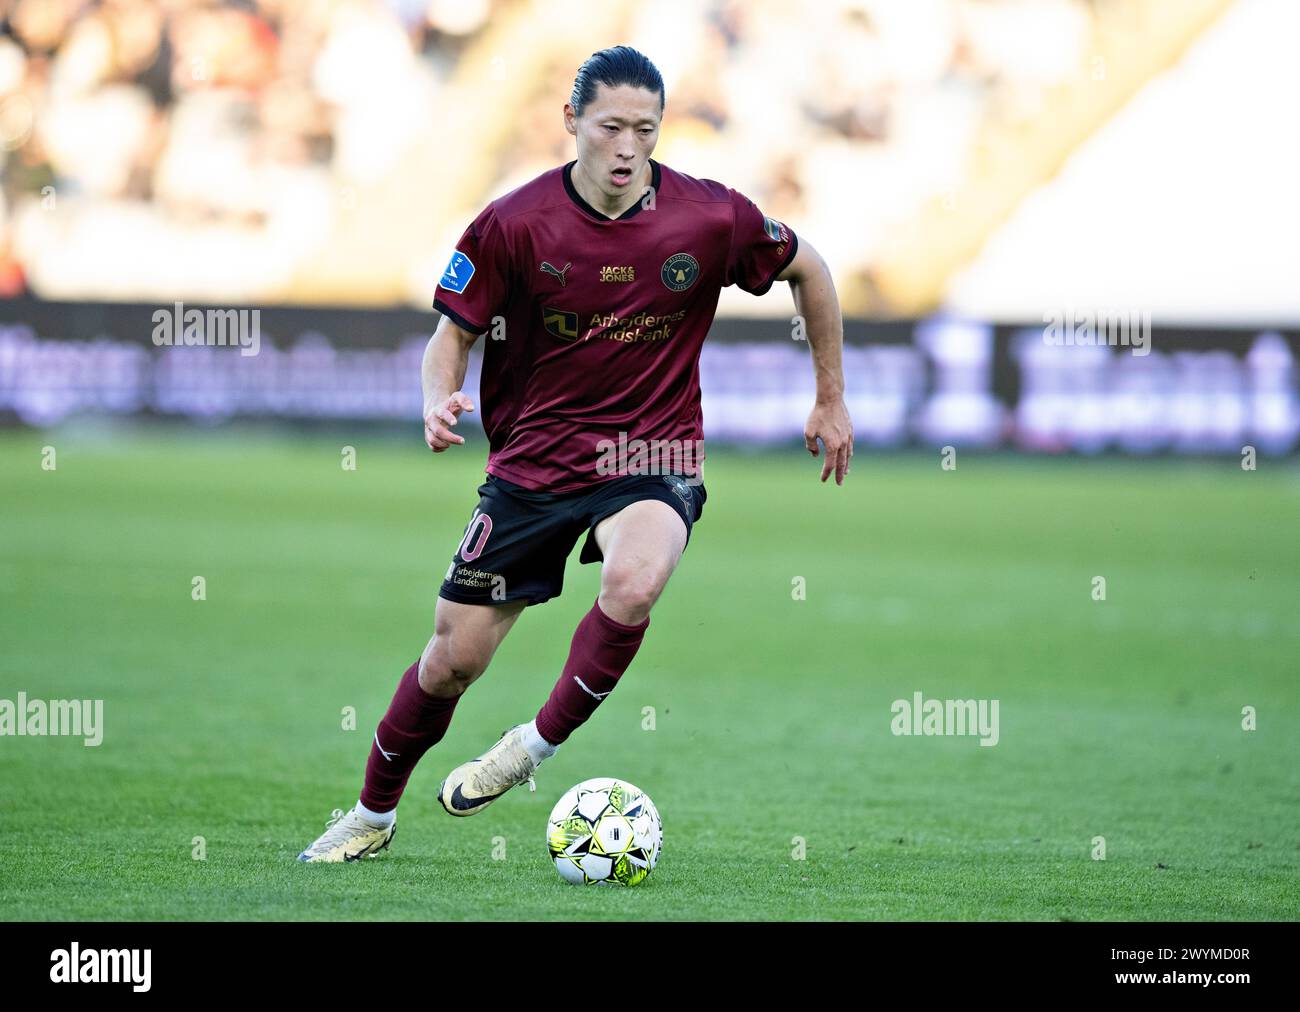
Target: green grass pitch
[223, 718]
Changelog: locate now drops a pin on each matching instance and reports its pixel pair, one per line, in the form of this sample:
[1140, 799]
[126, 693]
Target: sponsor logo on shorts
[683, 490]
[478, 579]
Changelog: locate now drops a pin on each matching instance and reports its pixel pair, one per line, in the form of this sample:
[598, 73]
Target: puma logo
[548, 269]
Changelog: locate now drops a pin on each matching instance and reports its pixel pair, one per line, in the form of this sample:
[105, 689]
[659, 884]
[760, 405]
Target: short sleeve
[761, 247]
[473, 288]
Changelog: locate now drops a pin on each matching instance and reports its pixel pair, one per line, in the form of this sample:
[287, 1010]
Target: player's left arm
[816, 302]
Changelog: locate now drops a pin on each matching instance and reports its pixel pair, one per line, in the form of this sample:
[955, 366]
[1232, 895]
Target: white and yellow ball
[604, 832]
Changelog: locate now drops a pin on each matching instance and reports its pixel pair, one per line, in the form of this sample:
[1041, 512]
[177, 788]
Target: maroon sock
[601, 651]
[414, 723]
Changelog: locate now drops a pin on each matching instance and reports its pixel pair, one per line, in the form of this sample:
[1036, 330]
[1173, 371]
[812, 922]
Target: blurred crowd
[846, 117]
[156, 146]
[183, 148]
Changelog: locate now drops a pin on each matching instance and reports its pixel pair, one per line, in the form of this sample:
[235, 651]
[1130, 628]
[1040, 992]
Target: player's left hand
[829, 421]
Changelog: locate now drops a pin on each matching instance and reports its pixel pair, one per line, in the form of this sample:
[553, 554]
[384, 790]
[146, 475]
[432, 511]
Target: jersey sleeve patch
[761, 247]
[460, 269]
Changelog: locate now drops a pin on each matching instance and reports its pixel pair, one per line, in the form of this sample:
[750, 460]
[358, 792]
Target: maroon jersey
[595, 324]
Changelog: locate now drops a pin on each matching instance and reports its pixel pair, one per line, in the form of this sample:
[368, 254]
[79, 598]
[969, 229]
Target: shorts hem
[458, 598]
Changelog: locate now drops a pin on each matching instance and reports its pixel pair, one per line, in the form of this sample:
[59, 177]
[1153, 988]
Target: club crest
[679, 272]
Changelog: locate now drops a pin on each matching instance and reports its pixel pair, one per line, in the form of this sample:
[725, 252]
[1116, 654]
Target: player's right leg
[511, 555]
[465, 638]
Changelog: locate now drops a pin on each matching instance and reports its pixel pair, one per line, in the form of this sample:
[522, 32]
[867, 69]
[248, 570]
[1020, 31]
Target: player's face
[616, 135]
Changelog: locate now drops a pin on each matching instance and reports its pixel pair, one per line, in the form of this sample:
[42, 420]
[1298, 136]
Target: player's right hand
[440, 418]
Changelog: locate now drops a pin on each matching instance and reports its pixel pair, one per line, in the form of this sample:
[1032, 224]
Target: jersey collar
[588, 209]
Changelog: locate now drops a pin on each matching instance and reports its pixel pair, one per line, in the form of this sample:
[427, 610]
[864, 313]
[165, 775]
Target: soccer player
[596, 283]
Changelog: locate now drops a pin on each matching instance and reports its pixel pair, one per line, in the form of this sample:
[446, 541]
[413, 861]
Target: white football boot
[474, 785]
[349, 837]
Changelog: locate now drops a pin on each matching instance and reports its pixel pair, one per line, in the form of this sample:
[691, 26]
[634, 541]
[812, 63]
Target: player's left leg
[641, 545]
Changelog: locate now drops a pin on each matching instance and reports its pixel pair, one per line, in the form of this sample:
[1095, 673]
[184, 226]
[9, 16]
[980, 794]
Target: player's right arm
[471, 295]
[442, 372]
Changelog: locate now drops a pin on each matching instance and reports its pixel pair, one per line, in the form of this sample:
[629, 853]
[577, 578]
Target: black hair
[613, 67]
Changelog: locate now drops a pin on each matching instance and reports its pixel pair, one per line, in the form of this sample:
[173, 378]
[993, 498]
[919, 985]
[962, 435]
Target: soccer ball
[604, 832]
